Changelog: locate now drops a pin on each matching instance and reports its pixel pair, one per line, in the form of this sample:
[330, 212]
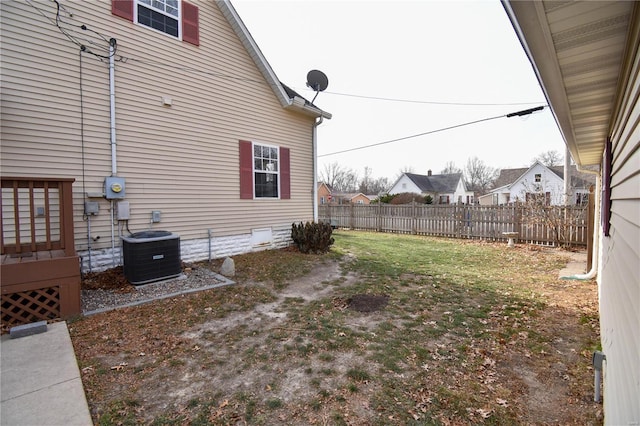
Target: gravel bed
[101, 300]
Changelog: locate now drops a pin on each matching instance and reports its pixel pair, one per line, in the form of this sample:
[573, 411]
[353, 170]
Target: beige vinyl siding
[183, 159]
[620, 273]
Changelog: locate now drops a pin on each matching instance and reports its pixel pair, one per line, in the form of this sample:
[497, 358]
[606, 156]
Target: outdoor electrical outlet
[155, 216]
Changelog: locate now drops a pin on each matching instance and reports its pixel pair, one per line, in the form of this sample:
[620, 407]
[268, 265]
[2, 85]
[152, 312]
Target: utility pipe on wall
[314, 143]
[209, 232]
[112, 116]
[112, 105]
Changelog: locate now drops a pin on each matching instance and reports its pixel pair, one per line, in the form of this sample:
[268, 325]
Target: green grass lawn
[471, 333]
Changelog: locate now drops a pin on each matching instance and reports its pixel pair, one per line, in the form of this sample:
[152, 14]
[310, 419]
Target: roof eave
[252, 48]
[530, 25]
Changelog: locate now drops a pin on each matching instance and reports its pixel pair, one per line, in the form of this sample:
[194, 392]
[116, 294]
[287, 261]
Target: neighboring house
[586, 56]
[327, 196]
[538, 181]
[168, 117]
[324, 194]
[443, 189]
[352, 198]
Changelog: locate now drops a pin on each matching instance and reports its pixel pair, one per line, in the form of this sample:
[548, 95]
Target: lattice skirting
[30, 306]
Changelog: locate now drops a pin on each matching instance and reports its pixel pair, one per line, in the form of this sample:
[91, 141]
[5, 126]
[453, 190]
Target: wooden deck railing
[35, 217]
[40, 268]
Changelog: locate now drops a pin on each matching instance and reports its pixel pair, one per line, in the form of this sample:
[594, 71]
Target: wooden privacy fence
[549, 225]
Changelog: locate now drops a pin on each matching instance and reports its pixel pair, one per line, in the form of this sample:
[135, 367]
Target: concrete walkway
[40, 380]
[577, 265]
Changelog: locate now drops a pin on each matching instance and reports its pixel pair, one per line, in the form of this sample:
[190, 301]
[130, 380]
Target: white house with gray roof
[444, 188]
[523, 184]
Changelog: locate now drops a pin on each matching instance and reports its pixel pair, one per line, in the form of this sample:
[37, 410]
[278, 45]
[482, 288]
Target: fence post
[414, 228]
[517, 220]
[379, 216]
[351, 216]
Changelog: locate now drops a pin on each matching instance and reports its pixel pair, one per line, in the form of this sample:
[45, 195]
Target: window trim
[277, 173]
[188, 18]
[178, 18]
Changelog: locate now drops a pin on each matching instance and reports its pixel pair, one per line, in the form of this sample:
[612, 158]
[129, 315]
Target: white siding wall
[550, 182]
[183, 159]
[404, 184]
[461, 192]
[619, 278]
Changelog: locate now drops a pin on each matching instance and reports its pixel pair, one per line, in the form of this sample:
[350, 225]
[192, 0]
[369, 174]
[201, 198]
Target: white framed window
[266, 171]
[538, 177]
[161, 15]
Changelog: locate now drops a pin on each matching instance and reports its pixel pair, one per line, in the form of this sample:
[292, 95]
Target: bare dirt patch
[367, 302]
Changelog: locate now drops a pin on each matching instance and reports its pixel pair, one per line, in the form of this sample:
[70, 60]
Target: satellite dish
[317, 81]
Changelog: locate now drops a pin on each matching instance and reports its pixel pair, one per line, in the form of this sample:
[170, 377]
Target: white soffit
[577, 51]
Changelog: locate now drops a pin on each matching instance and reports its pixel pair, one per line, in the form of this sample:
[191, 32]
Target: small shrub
[312, 237]
[407, 198]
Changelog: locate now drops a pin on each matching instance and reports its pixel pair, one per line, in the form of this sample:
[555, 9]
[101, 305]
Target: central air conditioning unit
[151, 256]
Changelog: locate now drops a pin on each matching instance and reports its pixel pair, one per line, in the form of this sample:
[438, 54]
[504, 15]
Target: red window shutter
[123, 9]
[190, 26]
[285, 174]
[605, 205]
[246, 170]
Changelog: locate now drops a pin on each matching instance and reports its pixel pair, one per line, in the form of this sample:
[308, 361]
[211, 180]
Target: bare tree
[340, 178]
[403, 170]
[379, 185]
[561, 222]
[365, 182]
[450, 168]
[370, 185]
[550, 158]
[478, 176]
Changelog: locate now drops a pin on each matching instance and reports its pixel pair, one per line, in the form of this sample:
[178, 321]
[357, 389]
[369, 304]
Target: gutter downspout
[112, 116]
[567, 175]
[314, 143]
[596, 230]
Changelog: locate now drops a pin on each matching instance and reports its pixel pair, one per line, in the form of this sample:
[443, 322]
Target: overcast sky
[447, 57]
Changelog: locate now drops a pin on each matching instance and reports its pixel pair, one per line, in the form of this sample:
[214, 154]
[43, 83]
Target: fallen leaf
[483, 413]
[502, 402]
[120, 366]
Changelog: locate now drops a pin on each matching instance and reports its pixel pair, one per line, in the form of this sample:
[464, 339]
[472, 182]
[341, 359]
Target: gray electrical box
[91, 208]
[156, 216]
[123, 210]
[114, 188]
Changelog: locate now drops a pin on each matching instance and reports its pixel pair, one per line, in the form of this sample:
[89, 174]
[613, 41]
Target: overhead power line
[513, 114]
[378, 98]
